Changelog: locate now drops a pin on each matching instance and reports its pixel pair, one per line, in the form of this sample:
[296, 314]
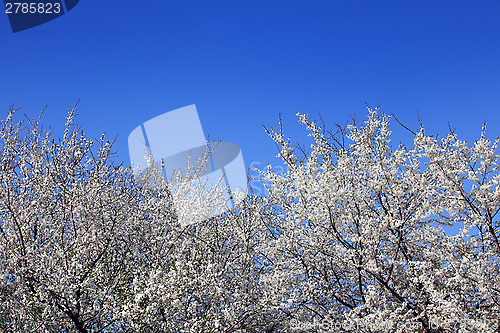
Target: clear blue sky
[244, 62]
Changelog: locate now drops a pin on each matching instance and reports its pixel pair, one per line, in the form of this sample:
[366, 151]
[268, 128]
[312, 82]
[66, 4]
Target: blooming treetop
[349, 239]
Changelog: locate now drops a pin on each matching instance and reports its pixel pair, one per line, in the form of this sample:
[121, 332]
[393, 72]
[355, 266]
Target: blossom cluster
[347, 238]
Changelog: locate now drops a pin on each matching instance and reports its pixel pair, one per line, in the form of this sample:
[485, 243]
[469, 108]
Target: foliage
[349, 239]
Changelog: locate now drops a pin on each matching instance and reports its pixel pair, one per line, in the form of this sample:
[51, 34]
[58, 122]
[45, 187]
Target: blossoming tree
[357, 244]
[350, 238]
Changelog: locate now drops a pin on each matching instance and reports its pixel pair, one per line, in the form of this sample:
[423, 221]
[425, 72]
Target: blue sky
[244, 62]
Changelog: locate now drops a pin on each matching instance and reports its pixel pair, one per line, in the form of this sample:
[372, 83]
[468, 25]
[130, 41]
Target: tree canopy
[350, 238]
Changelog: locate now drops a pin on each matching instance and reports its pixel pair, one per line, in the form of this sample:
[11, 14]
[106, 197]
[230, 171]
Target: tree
[349, 239]
[357, 243]
[66, 219]
[86, 246]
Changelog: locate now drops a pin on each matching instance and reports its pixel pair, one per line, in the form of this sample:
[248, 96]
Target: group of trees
[348, 239]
